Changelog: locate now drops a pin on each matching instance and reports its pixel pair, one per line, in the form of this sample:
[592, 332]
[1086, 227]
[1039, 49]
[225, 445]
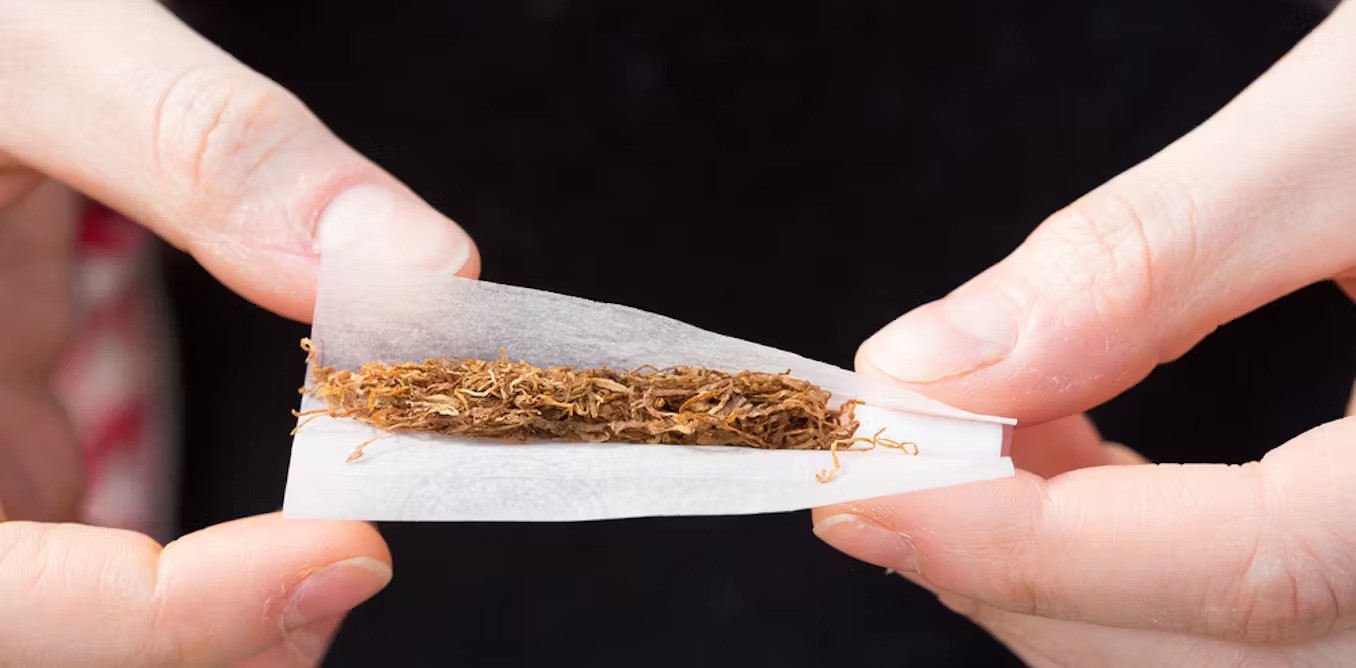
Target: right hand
[118, 100]
[1091, 556]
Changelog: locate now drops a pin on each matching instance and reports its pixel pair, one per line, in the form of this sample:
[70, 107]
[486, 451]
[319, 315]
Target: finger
[16, 181]
[306, 646]
[1254, 204]
[214, 157]
[40, 469]
[1257, 553]
[216, 597]
[36, 281]
[1059, 446]
[1044, 642]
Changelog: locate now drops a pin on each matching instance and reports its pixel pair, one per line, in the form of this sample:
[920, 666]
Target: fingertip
[1122, 455]
[970, 329]
[869, 541]
[387, 225]
[306, 646]
[263, 577]
[920, 532]
[472, 267]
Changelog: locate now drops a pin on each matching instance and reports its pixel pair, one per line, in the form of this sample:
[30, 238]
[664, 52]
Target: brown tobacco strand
[515, 401]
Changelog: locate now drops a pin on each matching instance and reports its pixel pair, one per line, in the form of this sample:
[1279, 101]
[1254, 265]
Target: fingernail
[864, 539]
[961, 333]
[391, 227]
[334, 590]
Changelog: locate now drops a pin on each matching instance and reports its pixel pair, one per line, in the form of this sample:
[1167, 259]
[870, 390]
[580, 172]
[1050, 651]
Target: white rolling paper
[366, 313]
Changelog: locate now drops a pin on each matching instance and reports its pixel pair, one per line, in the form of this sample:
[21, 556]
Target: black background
[842, 162]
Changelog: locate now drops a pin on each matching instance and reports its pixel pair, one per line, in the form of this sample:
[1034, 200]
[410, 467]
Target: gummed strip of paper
[375, 313]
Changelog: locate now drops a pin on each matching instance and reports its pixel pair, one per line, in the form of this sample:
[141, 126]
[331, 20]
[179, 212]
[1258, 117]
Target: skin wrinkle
[288, 638]
[1073, 517]
[215, 97]
[1331, 621]
[1343, 611]
[166, 137]
[201, 154]
[1098, 228]
[247, 125]
[296, 120]
[1024, 564]
[1104, 230]
[300, 657]
[39, 539]
[1258, 578]
[158, 121]
[162, 648]
[1138, 231]
[275, 610]
[1187, 257]
[1327, 616]
[297, 213]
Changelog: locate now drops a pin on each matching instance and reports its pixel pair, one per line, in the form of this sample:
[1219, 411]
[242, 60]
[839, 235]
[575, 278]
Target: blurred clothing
[115, 379]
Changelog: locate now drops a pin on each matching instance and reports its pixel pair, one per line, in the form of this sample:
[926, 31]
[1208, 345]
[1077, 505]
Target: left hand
[119, 100]
[1091, 556]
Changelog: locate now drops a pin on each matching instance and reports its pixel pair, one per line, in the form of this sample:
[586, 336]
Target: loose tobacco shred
[515, 401]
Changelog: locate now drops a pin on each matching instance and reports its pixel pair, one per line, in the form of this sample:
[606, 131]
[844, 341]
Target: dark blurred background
[853, 159]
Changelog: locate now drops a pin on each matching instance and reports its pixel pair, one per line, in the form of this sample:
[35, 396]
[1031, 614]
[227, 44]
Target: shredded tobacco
[516, 401]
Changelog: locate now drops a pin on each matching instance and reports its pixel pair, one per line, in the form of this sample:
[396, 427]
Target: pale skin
[1090, 557]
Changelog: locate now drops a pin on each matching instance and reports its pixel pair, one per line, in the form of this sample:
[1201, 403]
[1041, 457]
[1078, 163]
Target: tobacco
[518, 402]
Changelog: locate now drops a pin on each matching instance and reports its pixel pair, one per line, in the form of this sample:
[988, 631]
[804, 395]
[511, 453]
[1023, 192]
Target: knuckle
[1100, 248]
[1023, 585]
[214, 127]
[1126, 253]
[1283, 595]
[159, 642]
[1284, 590]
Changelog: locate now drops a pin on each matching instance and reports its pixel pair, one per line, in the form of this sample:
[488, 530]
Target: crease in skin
[274, 605]
[159, 613]
[200, 155]
[158, 123]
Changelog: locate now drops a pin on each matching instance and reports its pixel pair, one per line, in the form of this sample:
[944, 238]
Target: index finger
[1256, 203]
[126, 104]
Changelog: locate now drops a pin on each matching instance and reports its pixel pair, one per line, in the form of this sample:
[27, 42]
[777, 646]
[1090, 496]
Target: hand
[1093, 557]
[117, 99]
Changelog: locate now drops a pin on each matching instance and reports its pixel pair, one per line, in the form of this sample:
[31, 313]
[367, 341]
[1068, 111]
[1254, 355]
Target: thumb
[1256, 203]
[81, 596]
[1259, 553]
[129, 106]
